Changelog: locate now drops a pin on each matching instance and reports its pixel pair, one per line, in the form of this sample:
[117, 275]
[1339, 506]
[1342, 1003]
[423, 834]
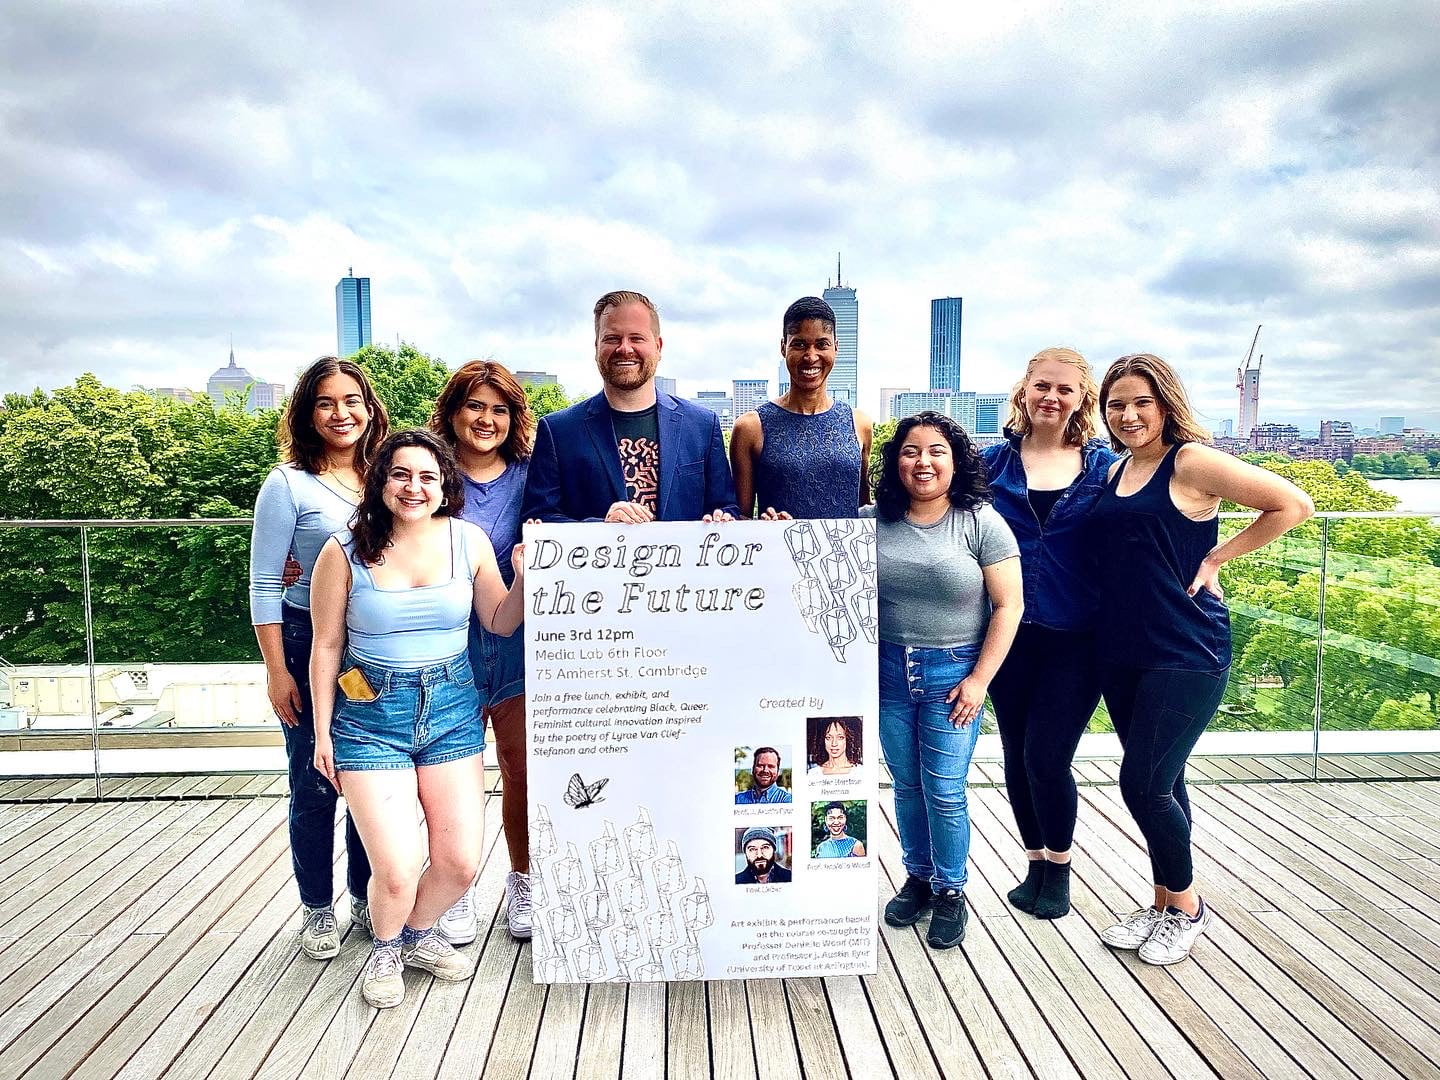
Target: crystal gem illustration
[696, 909]
[669, 872]
[542, 834]
[686, 962]
[640, 837]
[865, 605]
[595, 909]
[837, 568]
[839, 630]
[564, 925]
[863, 548]
[660, 929]
[804, 545]
[625, 940]
[630, 892]
[590, 963]
[605, 851]
[569, 873]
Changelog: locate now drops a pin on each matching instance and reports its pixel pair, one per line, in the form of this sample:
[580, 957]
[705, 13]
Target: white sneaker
[319, 936]
[434, 954]
[383, 983]
[1133, 930]
[459, 925]
[517, 905]
[1173, 938]
[360, 915]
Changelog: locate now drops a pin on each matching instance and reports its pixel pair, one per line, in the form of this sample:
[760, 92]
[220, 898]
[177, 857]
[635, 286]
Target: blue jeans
[498, 663]
[312, 799]
[929, 757]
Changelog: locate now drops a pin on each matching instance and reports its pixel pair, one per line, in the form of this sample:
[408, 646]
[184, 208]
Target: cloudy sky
[1103, 177]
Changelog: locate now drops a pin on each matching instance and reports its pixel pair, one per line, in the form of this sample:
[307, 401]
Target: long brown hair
[301, 444]
[373, 523]
[1084, 421]
[819, 725]
[468, 378]
[1180, 423]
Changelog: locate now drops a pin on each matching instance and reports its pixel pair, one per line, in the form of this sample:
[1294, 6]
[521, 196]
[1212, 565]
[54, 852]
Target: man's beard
[760, 867]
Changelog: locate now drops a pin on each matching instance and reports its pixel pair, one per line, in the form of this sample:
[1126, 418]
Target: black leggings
[1160, 716]
[1044, 695]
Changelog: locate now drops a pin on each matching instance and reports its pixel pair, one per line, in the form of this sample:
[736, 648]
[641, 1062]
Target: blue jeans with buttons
[928, 757]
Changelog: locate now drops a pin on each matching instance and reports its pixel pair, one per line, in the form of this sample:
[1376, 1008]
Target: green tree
[547, 398]
[407, 381]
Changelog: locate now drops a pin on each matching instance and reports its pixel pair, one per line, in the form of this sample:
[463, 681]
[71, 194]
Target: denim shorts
[498, 663]
[420, 716]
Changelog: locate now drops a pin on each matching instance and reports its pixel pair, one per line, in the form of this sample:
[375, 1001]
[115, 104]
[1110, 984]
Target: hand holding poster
[703, 746]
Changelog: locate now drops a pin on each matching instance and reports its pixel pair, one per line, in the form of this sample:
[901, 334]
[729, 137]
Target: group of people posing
[1041, 572]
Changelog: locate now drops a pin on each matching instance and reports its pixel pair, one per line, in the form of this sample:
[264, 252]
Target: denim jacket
[1055, 560]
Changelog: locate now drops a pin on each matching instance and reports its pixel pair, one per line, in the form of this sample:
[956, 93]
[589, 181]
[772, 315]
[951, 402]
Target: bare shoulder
[747, 431]
[864, 426]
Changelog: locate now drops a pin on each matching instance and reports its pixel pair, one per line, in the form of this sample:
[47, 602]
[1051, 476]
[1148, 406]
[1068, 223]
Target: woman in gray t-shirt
[950, 604]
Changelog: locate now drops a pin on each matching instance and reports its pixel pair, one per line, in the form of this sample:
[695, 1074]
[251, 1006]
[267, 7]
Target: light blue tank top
[411, 628]
[842, 848]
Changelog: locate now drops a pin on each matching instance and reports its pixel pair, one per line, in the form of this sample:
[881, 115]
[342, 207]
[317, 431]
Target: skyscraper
[887, 401]
[750, 394]
[990, 411]
[352, 314]
[665, 386]
[945, 317]
[844, 379]
[782, 384]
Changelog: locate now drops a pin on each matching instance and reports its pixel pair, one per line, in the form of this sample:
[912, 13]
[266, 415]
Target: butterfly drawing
[580, 794]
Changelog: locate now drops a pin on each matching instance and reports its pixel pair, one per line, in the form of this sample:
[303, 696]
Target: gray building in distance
[352, 314]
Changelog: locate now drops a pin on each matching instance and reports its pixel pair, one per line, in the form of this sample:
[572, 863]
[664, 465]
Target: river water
[1420, 496]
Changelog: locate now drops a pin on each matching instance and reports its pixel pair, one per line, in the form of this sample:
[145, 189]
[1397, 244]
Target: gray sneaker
[517, 905]
[434, 954]
[1133, 930]
[360, 915]
[459, 925]
[1173, 938]
[383, 983]
[319, 936]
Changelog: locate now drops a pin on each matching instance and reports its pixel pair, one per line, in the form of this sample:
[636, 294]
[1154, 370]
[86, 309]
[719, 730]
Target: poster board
[659, 659]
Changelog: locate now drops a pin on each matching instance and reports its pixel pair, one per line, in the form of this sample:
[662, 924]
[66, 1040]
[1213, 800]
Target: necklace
[336, 477]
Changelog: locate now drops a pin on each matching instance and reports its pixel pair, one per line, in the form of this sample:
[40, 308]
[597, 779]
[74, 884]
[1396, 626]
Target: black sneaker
[909, 903]
[947, 924]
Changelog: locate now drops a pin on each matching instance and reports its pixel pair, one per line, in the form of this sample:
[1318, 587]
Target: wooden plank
[815, 1035]
[687, 1042]
[233, 783]
[904, 1037]
[332, 988]
[732, 1047]
[777, 1056]
[860, 1037]
[602, 1032]
[559, 1041]
[518, 1025]
[644, 1049]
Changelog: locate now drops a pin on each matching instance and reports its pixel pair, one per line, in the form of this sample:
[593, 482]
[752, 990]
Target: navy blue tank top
[809, 466]
[1148, 553]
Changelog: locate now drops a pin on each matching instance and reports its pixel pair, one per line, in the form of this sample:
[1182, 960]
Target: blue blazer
[575, 469]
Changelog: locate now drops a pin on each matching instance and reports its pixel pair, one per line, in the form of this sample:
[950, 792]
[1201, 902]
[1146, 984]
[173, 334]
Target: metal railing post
[90, 654]
[1320, 647]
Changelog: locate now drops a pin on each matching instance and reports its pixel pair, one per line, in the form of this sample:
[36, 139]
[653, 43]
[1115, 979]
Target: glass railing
[126, 647]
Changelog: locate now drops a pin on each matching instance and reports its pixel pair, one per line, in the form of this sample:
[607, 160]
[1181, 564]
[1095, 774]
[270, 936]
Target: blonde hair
[1084, 422]
[1180, 423]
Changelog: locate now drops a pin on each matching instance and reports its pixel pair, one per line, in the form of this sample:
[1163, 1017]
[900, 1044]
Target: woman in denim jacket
[1046, 478]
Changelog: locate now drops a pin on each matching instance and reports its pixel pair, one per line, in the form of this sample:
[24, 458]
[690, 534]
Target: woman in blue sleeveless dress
[328, 435]
[397, 715]
[485, 417]
[1164, 631]
[804, 454]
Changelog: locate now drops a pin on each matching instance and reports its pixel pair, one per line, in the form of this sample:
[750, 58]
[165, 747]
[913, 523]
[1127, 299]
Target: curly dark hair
[969, 488]
[821, 724]
[373, 520]
[301, 444]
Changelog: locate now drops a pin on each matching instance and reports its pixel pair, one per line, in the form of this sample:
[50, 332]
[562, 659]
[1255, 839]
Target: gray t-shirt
[932, 591]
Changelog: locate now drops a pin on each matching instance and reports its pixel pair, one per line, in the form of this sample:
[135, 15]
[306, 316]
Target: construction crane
[1247, 382]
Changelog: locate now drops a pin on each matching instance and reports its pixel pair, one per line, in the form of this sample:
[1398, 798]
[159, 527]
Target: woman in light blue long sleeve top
[328, 434]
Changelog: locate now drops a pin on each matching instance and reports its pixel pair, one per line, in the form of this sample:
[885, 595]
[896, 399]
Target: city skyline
[946, 318]
[352, 314]
[1210, 169]
[844, 381]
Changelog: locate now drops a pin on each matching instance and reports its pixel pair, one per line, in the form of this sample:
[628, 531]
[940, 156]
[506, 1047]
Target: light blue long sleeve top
[295, 514]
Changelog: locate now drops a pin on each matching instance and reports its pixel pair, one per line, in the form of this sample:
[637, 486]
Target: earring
[444, 503]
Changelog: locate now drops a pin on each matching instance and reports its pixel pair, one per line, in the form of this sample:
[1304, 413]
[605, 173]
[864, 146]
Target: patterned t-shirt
[637, 436]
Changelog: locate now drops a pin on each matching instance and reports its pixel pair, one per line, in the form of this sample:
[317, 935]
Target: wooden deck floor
[155, 934]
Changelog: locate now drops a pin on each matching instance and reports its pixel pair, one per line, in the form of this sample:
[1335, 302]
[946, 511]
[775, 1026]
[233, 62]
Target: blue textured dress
[809, 466]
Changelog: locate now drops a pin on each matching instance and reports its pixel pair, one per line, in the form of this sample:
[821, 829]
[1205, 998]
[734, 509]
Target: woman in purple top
[484, 415]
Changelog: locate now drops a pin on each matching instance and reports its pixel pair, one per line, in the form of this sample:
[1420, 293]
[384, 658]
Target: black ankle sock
[1053, 900]
[1023, 895]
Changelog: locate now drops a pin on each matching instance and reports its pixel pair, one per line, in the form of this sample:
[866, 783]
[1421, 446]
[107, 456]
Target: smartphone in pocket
[355, 686]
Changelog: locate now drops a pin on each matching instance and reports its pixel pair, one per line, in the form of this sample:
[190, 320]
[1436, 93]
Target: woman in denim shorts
[396, 711]
[950, 602]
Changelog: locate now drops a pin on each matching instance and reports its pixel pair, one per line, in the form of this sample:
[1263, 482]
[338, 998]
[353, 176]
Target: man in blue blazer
[629, 454]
